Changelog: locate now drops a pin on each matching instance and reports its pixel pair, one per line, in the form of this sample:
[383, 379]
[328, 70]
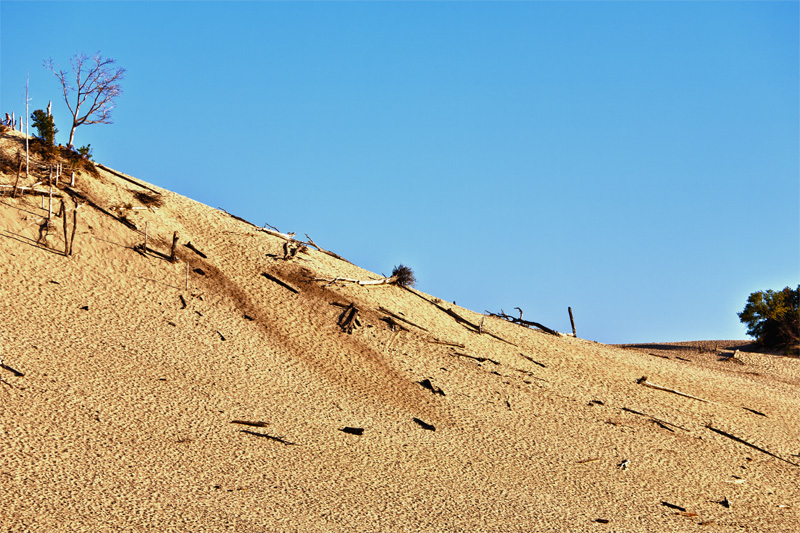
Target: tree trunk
[72, 135]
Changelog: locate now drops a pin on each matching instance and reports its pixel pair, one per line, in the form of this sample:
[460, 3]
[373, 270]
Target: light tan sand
[122, 419]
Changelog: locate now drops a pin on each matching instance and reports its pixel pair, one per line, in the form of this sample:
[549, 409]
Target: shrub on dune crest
[404, 276]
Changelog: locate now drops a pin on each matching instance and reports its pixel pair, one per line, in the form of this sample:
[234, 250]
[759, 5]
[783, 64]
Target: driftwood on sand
[519, 321]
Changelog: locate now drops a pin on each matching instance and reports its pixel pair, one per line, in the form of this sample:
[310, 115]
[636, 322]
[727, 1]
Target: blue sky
[637, 161]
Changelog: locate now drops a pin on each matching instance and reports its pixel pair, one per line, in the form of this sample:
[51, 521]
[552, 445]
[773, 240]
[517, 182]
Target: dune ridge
[136, 403]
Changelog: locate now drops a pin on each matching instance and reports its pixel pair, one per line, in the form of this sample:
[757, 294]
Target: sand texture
[133, 403]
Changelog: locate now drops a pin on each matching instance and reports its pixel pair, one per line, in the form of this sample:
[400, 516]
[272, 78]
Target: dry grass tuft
[149, 199]
[405, 276]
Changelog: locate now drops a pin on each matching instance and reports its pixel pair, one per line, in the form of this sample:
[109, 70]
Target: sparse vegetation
[86, 152]
[773, 318]
[45, 125]
[148, 199]
[403, 276]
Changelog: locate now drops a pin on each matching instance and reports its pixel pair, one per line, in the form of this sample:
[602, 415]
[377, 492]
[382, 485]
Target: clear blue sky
[637, 161]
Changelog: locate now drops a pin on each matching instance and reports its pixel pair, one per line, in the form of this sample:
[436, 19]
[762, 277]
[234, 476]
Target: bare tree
[96, 85]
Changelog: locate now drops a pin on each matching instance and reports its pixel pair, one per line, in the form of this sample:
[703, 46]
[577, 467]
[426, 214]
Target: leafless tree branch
[97, 85]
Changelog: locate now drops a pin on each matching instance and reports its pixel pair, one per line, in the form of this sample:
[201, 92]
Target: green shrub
[773, 318]
[46, 127]
[86, 152]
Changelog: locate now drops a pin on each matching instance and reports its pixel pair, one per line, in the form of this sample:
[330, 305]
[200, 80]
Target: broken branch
[742, 441]
[280, 282]
[643, 381]
[520, 322]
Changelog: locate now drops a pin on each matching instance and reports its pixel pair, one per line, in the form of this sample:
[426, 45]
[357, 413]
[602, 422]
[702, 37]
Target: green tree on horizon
[773, 318]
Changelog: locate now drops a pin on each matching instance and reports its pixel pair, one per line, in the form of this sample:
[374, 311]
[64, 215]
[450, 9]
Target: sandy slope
[122, 419]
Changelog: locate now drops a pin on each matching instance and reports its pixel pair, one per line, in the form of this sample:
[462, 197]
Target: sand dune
[136, 403]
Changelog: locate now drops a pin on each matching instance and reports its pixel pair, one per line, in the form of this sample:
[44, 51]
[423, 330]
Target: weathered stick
[520, 322]
[533, 361]
[190, 246]
[126, 178]
[742, 441]
[64, 221]
[324, 251]
[238, 218]
[445, 343]
[386, 311]
[50, 197]
[456, 316]
[17, 373]
[248, 423]
[19, 171]
[479, 359]
[123, 220]
[172, 256]
[280, 282]
[653, 418]
[383, 281]
[572, 322]
[349, 319]
[643, 381]
[74, 226]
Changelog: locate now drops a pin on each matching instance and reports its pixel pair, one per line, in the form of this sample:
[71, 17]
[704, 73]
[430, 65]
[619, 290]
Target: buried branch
[402, 276]
[521, 322]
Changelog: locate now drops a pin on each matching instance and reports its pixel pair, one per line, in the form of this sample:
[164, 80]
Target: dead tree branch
[280, 282]
[324, 251]
[348, 320]
[742, 441]
[96, 87]
[526, 323]
[643, 381]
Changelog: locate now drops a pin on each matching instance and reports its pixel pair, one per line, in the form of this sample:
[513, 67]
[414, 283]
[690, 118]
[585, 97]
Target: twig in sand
[424, 425]
[248, 423]
[324, 251]
[479, 359]
[532, 361]
[190, 246]
[446, 343]
[280, 282]
[276, 439]
[16, 373]
[643, 381]
[393, 315]
[654, 419]
[742, 441]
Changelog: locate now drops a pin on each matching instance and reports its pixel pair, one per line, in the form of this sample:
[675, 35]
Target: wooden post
[572, 321]
[74, 227]
[27, 128]
[19, 171]
[144, 248]
[50, 197]
[66, 234]
[174, 244]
